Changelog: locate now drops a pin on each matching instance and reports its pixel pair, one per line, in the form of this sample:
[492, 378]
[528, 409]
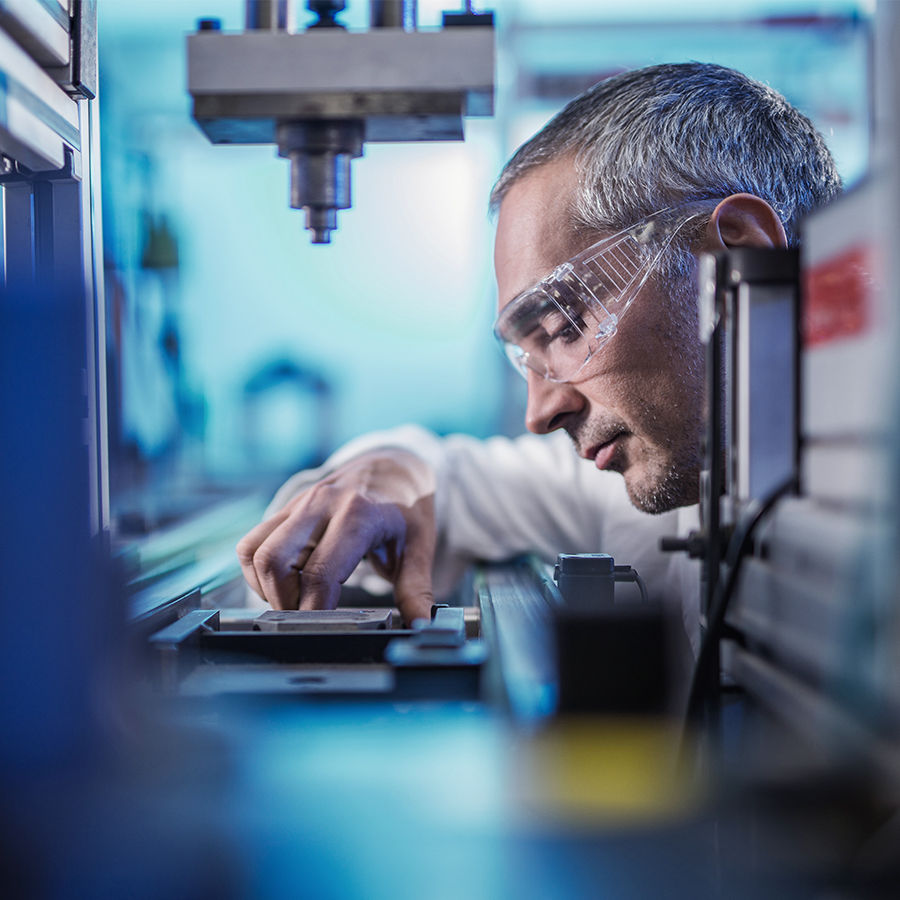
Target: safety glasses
[555, 327]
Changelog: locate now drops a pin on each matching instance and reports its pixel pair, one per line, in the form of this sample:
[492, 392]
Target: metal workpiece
[320, 153]
[301, 620]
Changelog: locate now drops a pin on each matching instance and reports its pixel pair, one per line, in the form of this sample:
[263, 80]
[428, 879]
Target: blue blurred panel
[58, 622]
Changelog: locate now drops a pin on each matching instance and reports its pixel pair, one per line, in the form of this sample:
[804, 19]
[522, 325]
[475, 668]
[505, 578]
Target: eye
[568, 335]
[559, 327]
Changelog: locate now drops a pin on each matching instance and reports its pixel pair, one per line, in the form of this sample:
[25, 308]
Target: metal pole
[269, 15]
[393, 14]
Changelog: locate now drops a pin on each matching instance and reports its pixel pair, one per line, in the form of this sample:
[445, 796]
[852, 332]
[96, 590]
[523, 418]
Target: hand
[379, 506]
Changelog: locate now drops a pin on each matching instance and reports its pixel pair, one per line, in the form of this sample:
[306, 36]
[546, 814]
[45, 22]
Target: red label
[839, 297]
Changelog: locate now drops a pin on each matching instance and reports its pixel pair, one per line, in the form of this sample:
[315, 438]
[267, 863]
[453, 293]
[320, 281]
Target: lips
[603, 454]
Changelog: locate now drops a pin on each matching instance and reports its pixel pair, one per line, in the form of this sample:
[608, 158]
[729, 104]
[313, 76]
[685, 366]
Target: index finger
[340, 549]
[251, 542]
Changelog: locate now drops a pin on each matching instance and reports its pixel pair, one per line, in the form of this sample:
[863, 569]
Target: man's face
[637, 407]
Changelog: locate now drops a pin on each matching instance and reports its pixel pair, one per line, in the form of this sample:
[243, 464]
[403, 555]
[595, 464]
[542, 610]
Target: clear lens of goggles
[556, 327]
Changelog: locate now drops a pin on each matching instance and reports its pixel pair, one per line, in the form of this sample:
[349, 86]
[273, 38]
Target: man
[640, 174]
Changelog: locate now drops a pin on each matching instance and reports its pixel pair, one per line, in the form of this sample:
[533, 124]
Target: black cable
[702, 680]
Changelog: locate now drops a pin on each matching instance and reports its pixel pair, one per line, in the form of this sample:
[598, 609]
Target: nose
[550, 404]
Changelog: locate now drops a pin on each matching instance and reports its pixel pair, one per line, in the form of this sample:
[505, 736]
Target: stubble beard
[673, 484]
[675, 480]
[672, 466]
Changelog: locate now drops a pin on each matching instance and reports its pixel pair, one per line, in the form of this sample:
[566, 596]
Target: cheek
[654, 384]
[669, 353]
[653, 368]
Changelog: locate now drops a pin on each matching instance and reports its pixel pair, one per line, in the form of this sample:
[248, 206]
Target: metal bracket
[188, 627]
[13, 172]
[447, 627]
[439, 644]
[170, 643]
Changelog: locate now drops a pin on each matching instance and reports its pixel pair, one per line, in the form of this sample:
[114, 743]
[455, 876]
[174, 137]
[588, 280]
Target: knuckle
[265, 562]
[324, 489]
[356, 503]
[360, 513]
[323, 501]
[317, 575]
[245, 550]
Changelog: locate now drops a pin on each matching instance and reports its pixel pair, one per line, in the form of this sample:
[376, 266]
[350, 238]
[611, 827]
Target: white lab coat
[501, 497]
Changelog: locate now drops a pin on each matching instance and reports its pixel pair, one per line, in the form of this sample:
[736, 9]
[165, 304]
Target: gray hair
[670, 134]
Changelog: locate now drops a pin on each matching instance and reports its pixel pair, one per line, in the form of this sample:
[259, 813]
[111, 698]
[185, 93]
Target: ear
[744, 220]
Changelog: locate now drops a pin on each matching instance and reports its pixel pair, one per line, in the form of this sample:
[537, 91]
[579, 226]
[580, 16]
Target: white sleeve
[501, 497]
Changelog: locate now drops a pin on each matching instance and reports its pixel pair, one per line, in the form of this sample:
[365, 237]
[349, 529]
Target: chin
[661, 492]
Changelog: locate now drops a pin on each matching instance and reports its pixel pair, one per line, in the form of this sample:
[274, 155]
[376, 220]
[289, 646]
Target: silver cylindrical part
[393, 14]
[320, 179]
[320, 153]
[269, 15]
[320, 184]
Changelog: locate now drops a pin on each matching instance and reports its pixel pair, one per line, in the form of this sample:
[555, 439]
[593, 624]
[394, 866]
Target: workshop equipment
[322, 93]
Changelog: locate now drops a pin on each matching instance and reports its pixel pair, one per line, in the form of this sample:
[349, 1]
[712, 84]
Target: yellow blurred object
[605, 772]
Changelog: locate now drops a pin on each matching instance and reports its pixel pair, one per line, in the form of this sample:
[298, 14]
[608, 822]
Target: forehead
[534, 227]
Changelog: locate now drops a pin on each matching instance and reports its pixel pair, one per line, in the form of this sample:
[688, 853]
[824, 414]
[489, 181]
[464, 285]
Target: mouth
[603, 454]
